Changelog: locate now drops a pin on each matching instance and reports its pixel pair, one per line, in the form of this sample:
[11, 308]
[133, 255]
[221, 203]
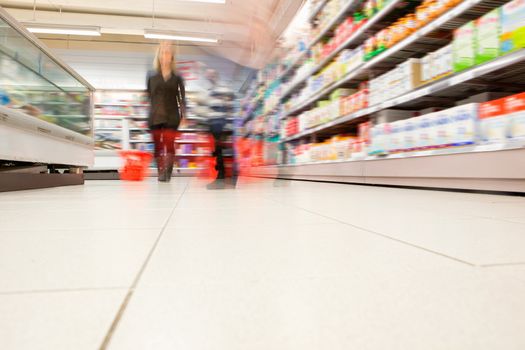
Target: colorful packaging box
[494, 122]
[424, 131]
[442, 126]
[464, 124]
[513, 26]
[396, 139]
[488, 32]
[514, 107]
[464, 47]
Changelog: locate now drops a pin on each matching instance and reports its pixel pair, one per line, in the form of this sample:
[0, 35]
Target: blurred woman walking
[167, 97]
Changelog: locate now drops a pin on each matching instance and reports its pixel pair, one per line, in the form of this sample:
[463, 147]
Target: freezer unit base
[17, 181]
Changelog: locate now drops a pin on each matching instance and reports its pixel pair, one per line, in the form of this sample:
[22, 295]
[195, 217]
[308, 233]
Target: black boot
[169, 166]
[161, 168]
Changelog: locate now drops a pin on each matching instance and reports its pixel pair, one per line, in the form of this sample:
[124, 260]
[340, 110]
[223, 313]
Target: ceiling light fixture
[149, 34]
[62, 29]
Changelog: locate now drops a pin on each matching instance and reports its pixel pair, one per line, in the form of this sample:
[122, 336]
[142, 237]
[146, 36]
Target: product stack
[426, 77]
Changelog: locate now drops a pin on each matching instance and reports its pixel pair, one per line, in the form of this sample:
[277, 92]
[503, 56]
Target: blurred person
[167, 96]
[220, 103]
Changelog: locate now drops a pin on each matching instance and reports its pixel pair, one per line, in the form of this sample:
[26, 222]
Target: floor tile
[72, 259]
[58, 321]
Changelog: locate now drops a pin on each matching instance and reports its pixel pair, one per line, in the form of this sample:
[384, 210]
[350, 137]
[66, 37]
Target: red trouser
[164, 140]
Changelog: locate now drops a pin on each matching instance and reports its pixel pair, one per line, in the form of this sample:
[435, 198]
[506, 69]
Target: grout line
[129, 295]
[65, 290]
[384, 236]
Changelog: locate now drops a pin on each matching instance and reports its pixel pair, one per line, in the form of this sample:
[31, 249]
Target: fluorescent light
[62, 29]
[180, 37]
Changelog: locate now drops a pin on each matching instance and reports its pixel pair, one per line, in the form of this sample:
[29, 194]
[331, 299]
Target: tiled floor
[267, 266]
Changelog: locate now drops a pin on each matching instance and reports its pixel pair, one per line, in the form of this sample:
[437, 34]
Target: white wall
[128, 70]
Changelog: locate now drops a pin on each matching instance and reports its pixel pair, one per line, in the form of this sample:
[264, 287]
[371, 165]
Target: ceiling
[248, 29]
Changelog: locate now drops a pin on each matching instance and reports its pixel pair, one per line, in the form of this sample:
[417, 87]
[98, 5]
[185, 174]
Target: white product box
[442, 122]
[495, 129]
[514, 107]
[464, 124]
[378, 139]
[410, 134]
[425, 132]
[396, 137]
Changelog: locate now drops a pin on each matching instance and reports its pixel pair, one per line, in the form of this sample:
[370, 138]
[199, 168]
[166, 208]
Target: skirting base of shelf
[18, 182]
[502, 186]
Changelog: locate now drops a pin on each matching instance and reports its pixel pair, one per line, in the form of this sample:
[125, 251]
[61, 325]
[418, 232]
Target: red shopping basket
[136, 164]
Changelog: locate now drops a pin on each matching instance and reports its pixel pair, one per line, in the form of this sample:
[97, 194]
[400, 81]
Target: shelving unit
[45, 116]
[501, 75]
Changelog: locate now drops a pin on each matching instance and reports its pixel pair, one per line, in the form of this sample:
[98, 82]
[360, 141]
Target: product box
[410, 135]
[514, 107]
[494, 122]
[396, 137]
[424, 132]
[364, 132]
[442, 129]
[464, 124]
[463, 47]
[410, 74]
[378, 140]
[513, 26]
[426, 63]
[488, 31]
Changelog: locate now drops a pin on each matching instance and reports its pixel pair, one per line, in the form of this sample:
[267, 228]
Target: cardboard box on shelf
[494, 122]
[513, 26]
[464, 124]
[514, 107]
[464, 47]
[488, 32]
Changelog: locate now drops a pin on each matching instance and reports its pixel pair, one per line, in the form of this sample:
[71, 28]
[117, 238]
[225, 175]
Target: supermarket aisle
[297, 266]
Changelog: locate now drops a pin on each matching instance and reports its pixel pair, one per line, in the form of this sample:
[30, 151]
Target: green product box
[488, 31]
[323, 103]
[513, 26]
[464, 47]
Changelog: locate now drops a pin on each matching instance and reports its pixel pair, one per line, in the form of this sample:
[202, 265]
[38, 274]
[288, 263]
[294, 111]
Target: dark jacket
[167, 100]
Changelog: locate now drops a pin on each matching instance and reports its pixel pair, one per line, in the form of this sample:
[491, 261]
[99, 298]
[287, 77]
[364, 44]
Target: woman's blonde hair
[156, 60]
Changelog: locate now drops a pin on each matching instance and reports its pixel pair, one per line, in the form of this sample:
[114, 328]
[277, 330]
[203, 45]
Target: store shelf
[450, 82]
[138, 129]
[489, 168]
[340, 16]
[405, 48]
[355, 39]
[317, 10]
[139, 141]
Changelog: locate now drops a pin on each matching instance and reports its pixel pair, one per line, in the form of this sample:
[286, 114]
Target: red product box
[514, 103]
[364, 132]
[491, 109]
